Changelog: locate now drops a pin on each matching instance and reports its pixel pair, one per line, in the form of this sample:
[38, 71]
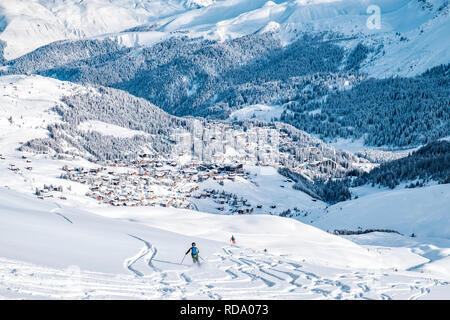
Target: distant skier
[233, 240]
[194, 253]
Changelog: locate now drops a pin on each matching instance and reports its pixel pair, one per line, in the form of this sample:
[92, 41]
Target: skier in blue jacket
[194, 253]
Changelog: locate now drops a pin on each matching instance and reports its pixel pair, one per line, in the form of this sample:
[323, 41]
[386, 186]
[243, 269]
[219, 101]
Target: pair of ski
[186, 255]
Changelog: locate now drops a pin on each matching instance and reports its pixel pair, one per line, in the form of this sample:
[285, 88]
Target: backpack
[194, 251]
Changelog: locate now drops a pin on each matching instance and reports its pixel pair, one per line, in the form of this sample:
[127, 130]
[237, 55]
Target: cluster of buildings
[152, 180]
[13, 167]
[211, 151]
[218, 142]
[48, 191]
[227, 202]
[149, 181]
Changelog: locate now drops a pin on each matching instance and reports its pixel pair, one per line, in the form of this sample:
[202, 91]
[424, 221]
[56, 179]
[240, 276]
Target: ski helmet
[193, 244]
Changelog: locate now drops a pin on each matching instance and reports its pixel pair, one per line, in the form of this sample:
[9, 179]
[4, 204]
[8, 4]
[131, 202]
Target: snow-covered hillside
[25, 108]
[410, 38]
[258, 111]
[313, 131]
[422, 211]
[137, 254]
[421, 24]
[26, 25]
[262, 181]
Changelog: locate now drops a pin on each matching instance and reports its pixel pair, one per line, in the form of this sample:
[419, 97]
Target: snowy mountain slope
[313, 79]
[411, 38]
[109, 227]
[77, 254]
[26, 112]
[435, 250]
[44, 98]
[31, 228]
[25, 108]
[258, 111]
[27, 25]
[263, 181]
[109, 129]
[422, 24]
[81, 105]
[281, 236]
[56, 221]
[422, 211]
[422, 47]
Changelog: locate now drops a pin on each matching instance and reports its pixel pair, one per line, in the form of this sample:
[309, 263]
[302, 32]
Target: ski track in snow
[147, 252]
[232, 272]
[55, 211]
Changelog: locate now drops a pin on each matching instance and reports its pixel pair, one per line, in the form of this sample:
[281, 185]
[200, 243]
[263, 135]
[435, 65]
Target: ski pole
[201, 258]
[183, 258]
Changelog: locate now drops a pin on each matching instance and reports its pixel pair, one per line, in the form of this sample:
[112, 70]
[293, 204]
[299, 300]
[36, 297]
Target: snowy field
[258, 111]
[423, 211]
[53, 252]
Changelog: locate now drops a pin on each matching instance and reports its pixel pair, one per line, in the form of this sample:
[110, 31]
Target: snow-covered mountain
[312, 72]
[410, 38]
[26, 25]
[130, 128]
[410, 30]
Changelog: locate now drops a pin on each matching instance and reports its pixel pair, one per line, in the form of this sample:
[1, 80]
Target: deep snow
[50, 251]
